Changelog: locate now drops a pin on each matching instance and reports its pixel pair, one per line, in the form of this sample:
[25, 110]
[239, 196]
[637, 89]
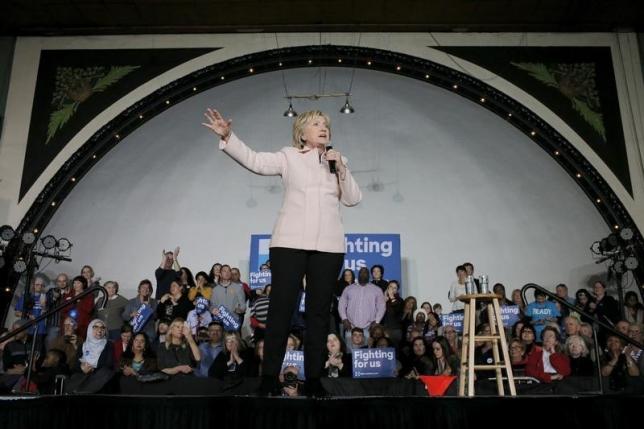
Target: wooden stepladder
[499, 344]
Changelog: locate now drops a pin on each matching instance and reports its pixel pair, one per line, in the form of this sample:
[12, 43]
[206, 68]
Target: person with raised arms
[308, 237]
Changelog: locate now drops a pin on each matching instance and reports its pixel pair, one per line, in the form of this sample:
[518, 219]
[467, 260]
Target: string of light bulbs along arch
[517, 115]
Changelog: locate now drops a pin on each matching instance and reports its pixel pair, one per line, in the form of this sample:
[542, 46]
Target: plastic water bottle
[483, 282]
[470, 285]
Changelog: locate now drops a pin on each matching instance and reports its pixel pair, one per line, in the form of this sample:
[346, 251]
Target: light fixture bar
[318, 96]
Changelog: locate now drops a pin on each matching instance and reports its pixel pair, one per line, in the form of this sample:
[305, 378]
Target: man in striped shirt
[259, 314]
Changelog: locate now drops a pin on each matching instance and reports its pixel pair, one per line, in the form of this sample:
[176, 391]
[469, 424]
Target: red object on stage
[437, 385]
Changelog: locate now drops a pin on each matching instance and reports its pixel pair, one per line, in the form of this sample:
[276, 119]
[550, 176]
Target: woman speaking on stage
[307, 239]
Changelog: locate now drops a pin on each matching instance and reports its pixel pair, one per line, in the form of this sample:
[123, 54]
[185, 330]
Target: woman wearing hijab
[95, 364]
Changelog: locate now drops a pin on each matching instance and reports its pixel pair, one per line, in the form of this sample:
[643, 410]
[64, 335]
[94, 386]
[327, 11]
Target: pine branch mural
[577, 83]
[74, 85]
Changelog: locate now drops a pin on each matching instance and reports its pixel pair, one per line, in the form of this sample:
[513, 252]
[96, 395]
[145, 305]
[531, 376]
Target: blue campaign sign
[260, 275]
[509, 315]
[374, 363]
[367, 250]
[454, 319]
[141, 317]
[361, 250]
[229, 320]
[295, 358]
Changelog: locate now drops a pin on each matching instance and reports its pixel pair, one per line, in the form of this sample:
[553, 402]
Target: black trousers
[288, 268]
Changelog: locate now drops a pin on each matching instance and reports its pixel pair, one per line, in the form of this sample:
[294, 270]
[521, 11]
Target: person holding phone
[307, 239]
[179, 353]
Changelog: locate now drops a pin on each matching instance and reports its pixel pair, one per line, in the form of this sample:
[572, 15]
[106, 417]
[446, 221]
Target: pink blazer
[310, 215]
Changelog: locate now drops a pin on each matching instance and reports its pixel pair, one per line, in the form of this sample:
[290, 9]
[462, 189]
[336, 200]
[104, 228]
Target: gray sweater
[111, 314]
[230, 297]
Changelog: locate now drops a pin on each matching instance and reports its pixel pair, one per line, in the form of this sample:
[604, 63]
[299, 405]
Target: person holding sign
[142, 309]
[308, 237]
[228, 294]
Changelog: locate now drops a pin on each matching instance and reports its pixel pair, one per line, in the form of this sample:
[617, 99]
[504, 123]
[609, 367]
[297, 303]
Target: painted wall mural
[74, 86]
[576, 83]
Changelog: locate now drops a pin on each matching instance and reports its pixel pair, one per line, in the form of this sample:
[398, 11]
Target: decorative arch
[516, 114]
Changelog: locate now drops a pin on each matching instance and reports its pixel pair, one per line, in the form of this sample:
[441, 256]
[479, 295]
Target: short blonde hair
[113, 283]
[168, 337]
[580, 341]
[234, 336]
[302, 120]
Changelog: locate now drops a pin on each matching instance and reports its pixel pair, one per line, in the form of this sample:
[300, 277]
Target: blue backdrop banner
[361, 250]
[259, 272]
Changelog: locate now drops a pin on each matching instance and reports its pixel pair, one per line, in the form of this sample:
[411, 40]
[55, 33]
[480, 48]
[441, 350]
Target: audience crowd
[212, 325]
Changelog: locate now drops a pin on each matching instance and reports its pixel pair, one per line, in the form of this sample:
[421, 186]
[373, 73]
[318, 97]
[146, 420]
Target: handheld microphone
[332, 168]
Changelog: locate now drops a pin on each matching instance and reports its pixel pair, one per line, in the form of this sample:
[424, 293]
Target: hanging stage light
[347, 108]
[20, 266]
[619, 267]
[626, 234]
[609, 243]
[48, 242]
[7, 233]
[290, 112]
[631, 263]
[28, 237]
[64, 244]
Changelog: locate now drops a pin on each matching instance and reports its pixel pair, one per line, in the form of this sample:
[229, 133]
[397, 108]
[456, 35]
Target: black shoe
[269, 386]
[313, 389]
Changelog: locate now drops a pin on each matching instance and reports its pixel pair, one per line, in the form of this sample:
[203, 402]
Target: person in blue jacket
[541, 311]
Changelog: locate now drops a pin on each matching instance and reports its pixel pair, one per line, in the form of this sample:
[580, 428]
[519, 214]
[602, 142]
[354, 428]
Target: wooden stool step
[489, 366]
[501, 357]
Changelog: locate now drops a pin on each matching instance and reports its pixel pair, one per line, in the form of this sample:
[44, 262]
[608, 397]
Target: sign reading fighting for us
[374, 363]
[259, 270]
[509, 316]
[143, 314]
[295, 358]
[453, 319]
[229, 320]
[361, 250]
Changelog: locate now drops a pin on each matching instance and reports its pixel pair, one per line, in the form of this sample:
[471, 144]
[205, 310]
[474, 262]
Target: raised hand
[186, 329]
[217, 124]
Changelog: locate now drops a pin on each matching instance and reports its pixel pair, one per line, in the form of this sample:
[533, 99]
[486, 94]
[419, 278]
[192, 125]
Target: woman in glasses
[95, 365]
